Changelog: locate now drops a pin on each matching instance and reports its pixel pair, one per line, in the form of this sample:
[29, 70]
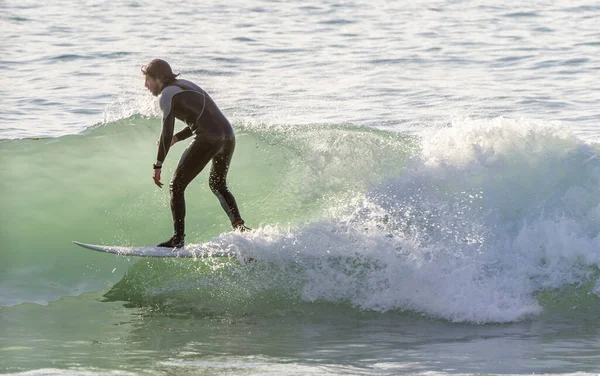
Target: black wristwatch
[156, 167]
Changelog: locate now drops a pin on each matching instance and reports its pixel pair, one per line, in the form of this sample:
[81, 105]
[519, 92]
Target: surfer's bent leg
[192, 162]
[218, 182]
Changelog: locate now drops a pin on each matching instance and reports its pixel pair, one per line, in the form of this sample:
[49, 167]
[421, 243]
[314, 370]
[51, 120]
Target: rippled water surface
[391, 64]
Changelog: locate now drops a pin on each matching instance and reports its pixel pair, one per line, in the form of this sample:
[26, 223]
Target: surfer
[213, 140]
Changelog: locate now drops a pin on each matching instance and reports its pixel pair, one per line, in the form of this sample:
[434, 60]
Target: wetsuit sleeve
[184, 133]
[168, 123]
[166, 136]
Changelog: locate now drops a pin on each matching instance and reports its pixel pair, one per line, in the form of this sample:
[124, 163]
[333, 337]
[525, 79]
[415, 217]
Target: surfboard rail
[153, 251]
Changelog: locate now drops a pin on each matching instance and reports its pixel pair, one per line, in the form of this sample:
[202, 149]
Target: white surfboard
[184, 252]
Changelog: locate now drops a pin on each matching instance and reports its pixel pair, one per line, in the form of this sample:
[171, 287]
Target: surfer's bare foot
[174, 242]
[239, 226]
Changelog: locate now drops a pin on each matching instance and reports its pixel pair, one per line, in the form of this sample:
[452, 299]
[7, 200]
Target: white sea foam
[489, 214]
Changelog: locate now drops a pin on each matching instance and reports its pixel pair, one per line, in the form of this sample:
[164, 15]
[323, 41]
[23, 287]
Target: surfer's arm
[168, 123]
[183, 134]
[166, 136]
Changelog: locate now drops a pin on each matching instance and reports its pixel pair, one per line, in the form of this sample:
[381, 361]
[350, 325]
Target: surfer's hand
[156, 177]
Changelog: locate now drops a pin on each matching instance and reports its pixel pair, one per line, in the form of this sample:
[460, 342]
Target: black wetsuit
[213, 140]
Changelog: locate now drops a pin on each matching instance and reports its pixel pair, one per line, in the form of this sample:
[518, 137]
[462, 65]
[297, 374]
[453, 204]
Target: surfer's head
[158, 73]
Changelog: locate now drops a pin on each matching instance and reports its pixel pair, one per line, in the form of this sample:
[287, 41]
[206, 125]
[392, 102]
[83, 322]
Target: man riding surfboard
[214, 140]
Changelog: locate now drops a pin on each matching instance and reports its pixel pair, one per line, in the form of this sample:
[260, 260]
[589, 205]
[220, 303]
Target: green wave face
[97, 187]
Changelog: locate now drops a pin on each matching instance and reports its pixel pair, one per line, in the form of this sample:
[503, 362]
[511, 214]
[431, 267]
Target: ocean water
[422, 180]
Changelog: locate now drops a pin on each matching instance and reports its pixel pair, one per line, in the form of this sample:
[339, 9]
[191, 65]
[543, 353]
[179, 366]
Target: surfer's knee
[176, 186]
[217, 185]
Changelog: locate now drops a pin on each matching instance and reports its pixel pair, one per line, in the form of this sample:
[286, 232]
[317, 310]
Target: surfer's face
[153, 84]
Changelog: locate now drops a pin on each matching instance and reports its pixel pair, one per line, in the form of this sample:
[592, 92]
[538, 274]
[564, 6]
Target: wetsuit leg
[218, 180]
[192, 162]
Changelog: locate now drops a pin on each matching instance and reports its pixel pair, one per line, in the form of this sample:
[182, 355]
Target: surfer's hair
[160, 69]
